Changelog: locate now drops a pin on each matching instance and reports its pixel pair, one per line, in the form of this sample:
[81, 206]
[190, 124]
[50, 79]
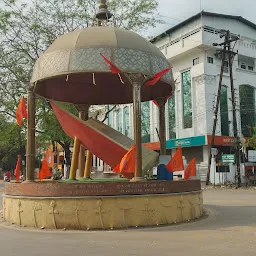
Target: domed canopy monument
[95, 66]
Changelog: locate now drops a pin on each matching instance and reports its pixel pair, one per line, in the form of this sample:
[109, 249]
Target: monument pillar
[162, 125]
[74, 161]
[137, 80]
[83, 115]
[30, 150]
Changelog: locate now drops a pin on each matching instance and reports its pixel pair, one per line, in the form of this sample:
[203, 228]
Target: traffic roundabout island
[81, 68]
[101, 205]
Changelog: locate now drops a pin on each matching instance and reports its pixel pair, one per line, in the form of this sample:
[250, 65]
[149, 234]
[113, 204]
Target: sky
[175, 11]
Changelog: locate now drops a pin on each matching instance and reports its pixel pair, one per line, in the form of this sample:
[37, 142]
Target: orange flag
[21, 111]
[127, 164]
[176, 163]
[17, 170]
[44, 170]
[114, 69]
[157, 76]
[190, 170]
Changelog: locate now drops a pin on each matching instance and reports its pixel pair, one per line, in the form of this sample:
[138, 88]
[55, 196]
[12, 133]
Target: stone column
[30, 150]
[162, 125]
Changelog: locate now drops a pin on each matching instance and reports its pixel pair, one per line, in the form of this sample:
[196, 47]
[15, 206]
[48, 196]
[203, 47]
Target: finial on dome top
[103, 14]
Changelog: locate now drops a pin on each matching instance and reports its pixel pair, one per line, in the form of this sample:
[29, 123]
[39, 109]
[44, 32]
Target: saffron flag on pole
[114, 69]
[44, 170]
[17, 170]
[127, 164]
[176, 163]
[157, 76]
[21, 111]
[190, 169]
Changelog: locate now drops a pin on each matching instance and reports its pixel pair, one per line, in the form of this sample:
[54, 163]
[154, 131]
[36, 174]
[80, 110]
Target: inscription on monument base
[42, 189]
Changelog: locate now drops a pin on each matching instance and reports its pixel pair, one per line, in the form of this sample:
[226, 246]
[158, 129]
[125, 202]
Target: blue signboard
[186, 142]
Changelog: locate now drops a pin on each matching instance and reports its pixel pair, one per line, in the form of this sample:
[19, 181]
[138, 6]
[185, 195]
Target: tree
[27, 28]
[11, 143]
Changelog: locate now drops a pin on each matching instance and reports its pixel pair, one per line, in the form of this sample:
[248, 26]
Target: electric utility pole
[221, 53]
[226, 51]
[235, 128]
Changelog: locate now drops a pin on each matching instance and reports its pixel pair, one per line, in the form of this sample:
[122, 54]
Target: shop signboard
[228, 158]
[186, 142]
[252, 156]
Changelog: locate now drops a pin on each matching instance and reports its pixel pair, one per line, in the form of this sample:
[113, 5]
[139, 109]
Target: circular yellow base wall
[115, 212]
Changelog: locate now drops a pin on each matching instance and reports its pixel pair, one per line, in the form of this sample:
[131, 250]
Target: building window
[171, 117]
[187, 100]
[110, 117]
[119, 120]
[195, 61]
[247, 109]
[210, 60]
[225, 66]
[145, 122]
[250, 68]
[243, 66]
[224, 111]
[126, 122]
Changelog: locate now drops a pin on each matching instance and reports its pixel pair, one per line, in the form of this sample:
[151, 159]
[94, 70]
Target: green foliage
[50, 129]
[251, 142]
[12, 142]
[27, 28]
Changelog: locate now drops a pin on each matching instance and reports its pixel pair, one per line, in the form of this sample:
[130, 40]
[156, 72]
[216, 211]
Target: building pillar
[30, 150]
[162, 125]
[137, 80]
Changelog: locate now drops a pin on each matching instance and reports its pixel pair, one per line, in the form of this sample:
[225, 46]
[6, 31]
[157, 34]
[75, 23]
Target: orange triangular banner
[176, 163]
[127, 164]
[44, 171]
[190, 169]
[17, 170]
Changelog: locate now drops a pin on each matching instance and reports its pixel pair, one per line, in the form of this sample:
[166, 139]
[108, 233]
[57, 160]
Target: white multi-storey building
[189, 113]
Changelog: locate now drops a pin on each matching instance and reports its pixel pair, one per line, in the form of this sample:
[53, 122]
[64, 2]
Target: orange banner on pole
[176, 163]
[44, 170]
[127, 164]
[17, 170]
[21, 111]
[190, 169]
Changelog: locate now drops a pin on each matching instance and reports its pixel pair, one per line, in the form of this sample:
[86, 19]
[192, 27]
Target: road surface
[230, 229]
